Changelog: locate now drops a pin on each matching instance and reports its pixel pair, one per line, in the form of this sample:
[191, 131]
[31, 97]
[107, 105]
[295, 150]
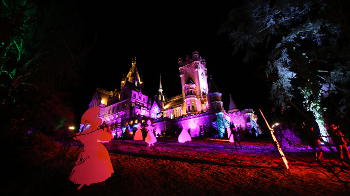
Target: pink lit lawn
[216, 168]
[200, 167]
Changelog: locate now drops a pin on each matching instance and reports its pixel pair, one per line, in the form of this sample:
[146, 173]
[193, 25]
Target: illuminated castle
[198, 108]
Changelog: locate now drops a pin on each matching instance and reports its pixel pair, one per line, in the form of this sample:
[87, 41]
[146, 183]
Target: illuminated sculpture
[184, 136]
[150, 138]
[230, 135]
[94, 164]
[254, 125]
[138, 133]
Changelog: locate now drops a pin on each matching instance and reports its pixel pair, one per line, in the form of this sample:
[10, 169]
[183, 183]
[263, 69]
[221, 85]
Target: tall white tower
[160, 96]
[193, 73]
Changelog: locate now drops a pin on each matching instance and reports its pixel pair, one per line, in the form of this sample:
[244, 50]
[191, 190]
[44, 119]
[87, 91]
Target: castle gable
[155, 111]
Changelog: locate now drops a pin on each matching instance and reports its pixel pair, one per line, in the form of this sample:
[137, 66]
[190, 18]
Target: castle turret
[214, 96]
[232, 106]
[193, 73]
[160, 96]
[132, 81]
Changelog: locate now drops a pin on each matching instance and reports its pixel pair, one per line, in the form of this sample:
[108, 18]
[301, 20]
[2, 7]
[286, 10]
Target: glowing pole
[276, 142]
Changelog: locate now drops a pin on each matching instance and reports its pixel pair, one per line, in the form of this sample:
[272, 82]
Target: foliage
[41, 56]
[18, 21]
[301, 43]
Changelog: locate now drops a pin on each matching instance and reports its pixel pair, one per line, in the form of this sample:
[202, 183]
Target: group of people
[336, 138]
[340, 142]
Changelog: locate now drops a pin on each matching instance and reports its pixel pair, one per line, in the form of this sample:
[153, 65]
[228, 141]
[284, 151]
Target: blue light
[221, 124]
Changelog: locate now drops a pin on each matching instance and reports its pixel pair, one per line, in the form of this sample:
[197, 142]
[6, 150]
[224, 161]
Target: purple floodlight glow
[155, 111]
[119, 133]
[238, 119]
[192, 124]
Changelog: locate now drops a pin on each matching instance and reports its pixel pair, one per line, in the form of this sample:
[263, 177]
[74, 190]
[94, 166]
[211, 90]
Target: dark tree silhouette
[305, 49]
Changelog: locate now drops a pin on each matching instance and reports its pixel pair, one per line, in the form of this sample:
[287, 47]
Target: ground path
[203, 167]
[200, 167]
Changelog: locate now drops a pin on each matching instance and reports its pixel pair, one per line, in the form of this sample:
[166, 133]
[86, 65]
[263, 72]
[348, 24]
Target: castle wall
[194, 109]
[239, 119]
[196, 123]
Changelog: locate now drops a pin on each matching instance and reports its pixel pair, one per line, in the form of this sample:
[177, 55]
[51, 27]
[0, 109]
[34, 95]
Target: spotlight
[275, 125]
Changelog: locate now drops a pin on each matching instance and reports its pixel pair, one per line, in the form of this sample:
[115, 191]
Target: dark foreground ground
[201, 167]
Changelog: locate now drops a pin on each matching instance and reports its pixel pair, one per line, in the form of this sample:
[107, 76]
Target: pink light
[238, 119]
[184, 136]
[192, 124]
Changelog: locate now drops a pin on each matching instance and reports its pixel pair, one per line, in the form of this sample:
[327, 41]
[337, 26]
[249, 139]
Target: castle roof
[174, 102]
[232, 104]
[189, 59]
[133, 76]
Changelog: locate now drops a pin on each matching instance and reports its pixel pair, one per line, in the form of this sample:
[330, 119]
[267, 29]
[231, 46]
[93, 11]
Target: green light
[314, 105]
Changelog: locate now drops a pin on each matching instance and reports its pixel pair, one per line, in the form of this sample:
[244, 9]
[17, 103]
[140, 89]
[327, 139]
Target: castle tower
[132, 81]
[160, 96]
[214, 96]
[193, 73]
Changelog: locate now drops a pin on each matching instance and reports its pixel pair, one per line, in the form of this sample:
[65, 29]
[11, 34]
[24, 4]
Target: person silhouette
[93, 164]
[313, 136]
[230, 133]
[237, 137]
[340, 142]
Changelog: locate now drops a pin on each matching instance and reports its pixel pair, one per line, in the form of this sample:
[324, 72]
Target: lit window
[104, 101]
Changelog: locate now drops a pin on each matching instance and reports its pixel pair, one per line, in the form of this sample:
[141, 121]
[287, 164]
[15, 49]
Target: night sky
[157, 34]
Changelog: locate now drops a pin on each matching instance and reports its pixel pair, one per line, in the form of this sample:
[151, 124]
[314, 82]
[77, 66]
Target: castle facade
[198, 109]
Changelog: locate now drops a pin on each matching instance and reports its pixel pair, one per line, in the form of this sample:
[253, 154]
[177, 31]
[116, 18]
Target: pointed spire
[232, 104]
[133, 61]
[160, 84]
[161, 97]
[133, 76]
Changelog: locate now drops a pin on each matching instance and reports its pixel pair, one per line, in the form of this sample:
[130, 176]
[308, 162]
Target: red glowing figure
[138, 133]
[150, 138]
[94, 164]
